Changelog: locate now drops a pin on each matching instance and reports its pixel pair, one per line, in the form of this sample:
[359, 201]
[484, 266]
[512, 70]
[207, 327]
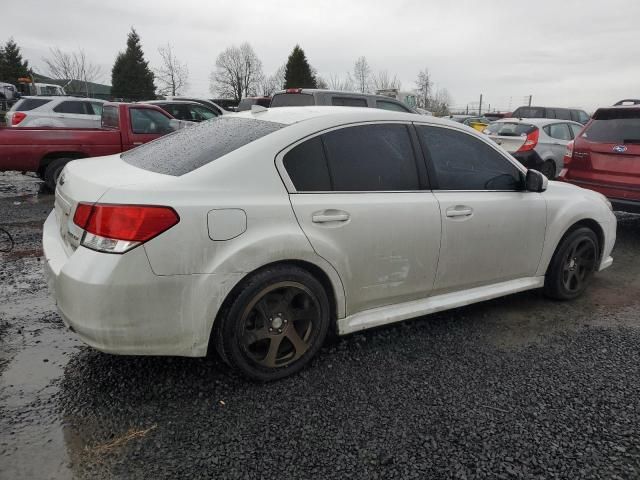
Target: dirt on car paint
[67, 411]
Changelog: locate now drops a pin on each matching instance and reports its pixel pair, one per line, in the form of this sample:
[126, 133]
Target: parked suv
[304, 97]
[605, 157]
[64, 112]
[537, 143]
[573, 114]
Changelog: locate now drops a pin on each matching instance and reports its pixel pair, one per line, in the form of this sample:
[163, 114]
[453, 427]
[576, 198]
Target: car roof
[61, 97]
[539, 122]
[156, 102]
[291, 115]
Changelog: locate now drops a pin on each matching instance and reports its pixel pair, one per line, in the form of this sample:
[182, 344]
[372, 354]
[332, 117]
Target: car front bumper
[116, 304]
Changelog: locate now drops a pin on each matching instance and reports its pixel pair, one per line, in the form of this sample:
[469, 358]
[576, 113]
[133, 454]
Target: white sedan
[255, 233]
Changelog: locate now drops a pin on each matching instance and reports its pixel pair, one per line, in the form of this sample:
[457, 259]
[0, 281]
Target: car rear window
[194, 146]
[614, 126]
[509, 129]
[292, 100]
[27, 104]
[110, 117]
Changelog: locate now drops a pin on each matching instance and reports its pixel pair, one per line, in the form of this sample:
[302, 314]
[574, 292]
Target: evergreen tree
[131, 77]
[298, 73]
[12, 66]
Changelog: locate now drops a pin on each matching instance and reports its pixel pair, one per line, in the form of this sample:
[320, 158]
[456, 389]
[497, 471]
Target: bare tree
[423, 88]
[382, 81]
[238, 72]
[361, 74]
[268, 85]
[336, 82]
[440, 102]
[172, 76]
[72, 66]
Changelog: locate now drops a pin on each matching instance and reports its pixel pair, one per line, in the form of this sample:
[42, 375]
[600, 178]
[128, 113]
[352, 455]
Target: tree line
[238, 73]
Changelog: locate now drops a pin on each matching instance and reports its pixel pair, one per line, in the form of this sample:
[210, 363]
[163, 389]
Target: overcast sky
[582, 53]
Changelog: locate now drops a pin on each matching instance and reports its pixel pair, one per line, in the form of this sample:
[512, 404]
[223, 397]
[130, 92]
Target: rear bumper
[116, 304]
[624, 199]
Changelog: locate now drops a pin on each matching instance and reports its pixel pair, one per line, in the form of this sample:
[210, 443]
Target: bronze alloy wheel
[579, 264]
[278, 323]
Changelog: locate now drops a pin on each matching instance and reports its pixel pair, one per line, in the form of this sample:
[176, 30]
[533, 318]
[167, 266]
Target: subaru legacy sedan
[254, 234]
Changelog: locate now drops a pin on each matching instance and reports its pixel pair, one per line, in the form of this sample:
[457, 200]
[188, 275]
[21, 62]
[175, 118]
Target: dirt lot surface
[519, 387]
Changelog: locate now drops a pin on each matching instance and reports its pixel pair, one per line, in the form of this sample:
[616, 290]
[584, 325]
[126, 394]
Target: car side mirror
[536, 181]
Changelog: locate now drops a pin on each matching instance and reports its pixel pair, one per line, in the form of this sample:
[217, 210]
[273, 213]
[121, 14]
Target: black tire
[258, 332]
[572, 265]
[548, 169]
[52, 172]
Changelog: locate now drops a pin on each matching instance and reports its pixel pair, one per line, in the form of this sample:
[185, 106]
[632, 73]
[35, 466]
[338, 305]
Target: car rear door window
[307, 167]
[292, 100]
[463, 162]
[348, 102]
[393, 106]
[563, 114]
[72, 107]
[96, 108]
[375, 157]
[110, 117]
[559, 131]
[198, 113]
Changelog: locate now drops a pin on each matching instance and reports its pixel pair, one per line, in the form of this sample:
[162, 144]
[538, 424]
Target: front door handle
[326, 216]
[459, 211]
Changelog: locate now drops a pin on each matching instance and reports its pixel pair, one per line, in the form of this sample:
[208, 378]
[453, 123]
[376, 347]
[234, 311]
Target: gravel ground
[519, 387]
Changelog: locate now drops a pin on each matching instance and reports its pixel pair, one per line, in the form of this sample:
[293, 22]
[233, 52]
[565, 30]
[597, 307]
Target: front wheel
[276, 323]
[572, 265]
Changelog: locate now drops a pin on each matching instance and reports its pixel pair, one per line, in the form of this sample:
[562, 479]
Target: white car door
[76, 114]
[359, 196]
[492, 230]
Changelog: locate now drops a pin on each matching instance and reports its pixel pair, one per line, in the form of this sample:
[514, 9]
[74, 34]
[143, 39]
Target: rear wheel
[52, 172]
[276, 323]
[572, 265]
[548, 169]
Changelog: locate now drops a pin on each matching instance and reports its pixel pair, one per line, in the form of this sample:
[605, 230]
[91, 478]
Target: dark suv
[303, 97]
[573, 114]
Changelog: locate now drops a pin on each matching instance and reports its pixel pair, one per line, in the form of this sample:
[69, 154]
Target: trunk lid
[87, 180]
[510, 135]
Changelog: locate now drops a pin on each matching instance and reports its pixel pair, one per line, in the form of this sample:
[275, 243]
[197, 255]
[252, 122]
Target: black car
[188, 111]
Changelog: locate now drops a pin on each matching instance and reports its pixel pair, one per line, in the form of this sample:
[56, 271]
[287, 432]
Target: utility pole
[480, 106]
[530, 96]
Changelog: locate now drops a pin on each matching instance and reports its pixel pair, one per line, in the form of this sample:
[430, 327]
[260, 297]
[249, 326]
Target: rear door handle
[459, 211]
[326, 216]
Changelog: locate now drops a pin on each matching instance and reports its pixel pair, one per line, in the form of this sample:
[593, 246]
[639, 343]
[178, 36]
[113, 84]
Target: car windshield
[291, 100]
[509, 129]
[194, 146]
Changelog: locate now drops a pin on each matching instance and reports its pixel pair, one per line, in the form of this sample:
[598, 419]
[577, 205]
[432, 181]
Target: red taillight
[568, 154]
[118, 228]
[17, 118]
[531, 141]
[293, 90]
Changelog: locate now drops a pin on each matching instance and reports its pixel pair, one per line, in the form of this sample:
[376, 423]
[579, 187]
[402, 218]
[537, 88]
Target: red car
[605, 156]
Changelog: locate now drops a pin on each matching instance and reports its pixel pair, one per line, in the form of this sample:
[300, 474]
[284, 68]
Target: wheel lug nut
[279, 331]
[285, 320]
[271, 329]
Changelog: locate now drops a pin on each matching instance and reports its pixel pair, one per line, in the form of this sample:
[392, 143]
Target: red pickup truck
[47, 150]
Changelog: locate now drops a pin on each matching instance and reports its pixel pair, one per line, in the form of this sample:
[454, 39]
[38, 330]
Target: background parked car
[187, 111]
[304, 97]
[229, 104]
[573, 114]
[605, 157]
[203, 101]
[479, 123]
[63, 112]
[247, 102]
[536, 143]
